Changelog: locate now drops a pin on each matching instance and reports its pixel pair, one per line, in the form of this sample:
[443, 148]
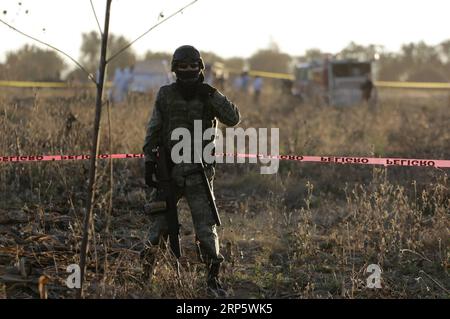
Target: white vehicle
[149, 76]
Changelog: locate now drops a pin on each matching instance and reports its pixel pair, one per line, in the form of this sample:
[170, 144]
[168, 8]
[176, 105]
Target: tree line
[413, 62]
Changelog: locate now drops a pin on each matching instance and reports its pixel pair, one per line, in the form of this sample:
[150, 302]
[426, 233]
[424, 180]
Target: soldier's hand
[206, 90]
[150, 170]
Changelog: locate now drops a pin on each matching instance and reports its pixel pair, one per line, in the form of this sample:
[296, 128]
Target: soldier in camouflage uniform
[177, 106]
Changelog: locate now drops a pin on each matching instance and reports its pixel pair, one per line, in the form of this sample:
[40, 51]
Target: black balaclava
[187, 82]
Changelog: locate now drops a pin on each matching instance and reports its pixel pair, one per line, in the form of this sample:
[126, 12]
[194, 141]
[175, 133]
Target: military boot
[214, 285]
[148, 260]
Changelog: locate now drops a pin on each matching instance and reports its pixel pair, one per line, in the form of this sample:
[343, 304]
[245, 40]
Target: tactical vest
[179, 113]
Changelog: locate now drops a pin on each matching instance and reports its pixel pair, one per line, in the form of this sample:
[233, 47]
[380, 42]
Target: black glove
[206, 90]
[150, 169]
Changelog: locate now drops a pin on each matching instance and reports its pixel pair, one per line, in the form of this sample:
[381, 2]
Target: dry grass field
[309, 231]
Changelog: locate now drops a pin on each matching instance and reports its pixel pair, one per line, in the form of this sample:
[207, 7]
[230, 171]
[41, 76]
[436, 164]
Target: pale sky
[231, 27]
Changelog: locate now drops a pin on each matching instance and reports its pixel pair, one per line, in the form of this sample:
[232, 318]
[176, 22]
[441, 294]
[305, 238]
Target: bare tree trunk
[94, 149]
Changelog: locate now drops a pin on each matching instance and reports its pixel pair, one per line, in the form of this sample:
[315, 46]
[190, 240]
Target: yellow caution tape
[412, 85]
[271, 75]
[264, 74]
[380, 84]
[283, 76]
[31, 84]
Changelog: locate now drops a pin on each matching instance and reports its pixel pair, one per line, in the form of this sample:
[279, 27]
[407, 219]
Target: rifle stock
[210, 194]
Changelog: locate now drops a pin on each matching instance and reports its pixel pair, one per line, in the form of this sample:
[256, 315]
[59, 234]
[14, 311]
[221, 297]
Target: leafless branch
[90, 76]
[146, 32]
[96, 18]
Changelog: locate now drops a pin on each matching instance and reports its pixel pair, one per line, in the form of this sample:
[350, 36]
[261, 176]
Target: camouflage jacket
[171, 111]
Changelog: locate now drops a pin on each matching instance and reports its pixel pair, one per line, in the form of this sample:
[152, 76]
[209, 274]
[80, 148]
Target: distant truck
[332, 82]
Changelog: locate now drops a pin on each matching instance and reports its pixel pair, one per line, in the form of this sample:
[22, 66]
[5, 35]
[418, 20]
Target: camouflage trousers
[191, 187]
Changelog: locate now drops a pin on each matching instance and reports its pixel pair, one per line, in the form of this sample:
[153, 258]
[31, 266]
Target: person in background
[209, 75]
[366, 89]
[257, 87]
[127, 77]
[245, 79]
[115, 94]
